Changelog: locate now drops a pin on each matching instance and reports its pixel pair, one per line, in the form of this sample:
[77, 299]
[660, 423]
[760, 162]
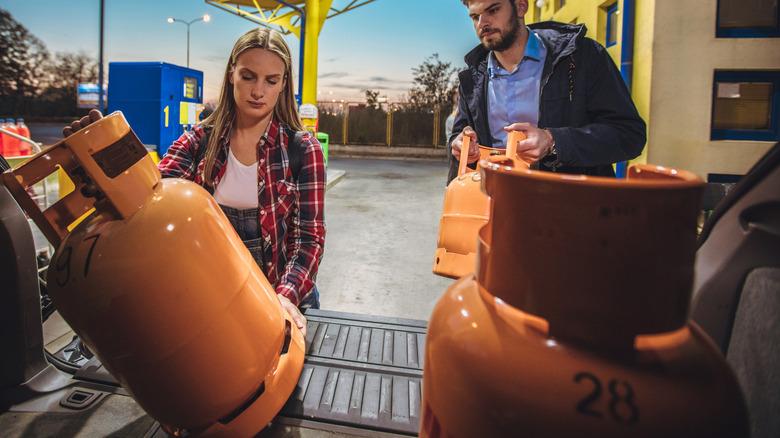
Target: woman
[450, 122]
[264, 170]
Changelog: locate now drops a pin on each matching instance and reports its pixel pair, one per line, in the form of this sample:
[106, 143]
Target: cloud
[387, 80]
[215, 58]
[333, 74]
[381, 83]
[330, 60]
[362, 86]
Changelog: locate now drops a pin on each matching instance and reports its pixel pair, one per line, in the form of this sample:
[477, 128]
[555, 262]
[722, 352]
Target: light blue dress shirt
[514, 96]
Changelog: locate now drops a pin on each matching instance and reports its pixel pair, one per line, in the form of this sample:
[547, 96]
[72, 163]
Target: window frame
[611, 10]
[746, 32]
[771, 134]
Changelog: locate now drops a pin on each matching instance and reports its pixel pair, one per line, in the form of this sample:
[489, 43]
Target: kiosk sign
[309, 117]
[87, 95]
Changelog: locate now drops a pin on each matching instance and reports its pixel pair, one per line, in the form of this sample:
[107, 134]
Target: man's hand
[537, 144]
[93, 116]
[473, 146]
[294, 312]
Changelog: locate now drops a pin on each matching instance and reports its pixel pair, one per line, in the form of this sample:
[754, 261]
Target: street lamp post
[205, 18]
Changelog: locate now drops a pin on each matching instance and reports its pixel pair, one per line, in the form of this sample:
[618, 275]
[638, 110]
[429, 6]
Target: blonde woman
[450, 121]
[264, 170]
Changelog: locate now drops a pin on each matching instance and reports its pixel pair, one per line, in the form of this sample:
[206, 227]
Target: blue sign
[88, 95]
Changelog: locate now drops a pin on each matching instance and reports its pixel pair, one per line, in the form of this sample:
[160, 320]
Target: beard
[506, 38]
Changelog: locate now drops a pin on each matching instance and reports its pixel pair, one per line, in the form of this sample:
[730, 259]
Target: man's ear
[522, 7]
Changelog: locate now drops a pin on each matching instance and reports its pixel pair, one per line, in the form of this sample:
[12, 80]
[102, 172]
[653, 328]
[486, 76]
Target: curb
[334, 176]
[391, 152]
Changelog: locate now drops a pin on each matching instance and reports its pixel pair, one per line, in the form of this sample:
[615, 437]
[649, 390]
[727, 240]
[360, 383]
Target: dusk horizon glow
[372, 47]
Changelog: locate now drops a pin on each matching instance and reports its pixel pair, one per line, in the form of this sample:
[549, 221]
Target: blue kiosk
[159, 100]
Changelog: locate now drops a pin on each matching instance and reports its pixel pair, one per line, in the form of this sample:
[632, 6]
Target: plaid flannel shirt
[291, 213]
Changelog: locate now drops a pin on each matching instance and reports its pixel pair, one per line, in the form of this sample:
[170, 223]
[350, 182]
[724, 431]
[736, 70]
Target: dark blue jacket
[584, 103]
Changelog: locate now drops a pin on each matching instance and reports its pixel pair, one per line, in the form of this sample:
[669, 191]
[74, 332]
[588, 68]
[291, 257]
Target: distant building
[706, 74]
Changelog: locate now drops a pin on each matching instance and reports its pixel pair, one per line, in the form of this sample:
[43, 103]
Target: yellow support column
[345, 126]
[316, 11]
[436, 123]
[389, 127]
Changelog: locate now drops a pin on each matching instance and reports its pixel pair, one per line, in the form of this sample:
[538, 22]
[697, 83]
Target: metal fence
[391, 124]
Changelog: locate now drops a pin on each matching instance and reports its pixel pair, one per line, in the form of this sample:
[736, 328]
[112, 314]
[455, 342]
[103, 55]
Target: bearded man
[549, 81]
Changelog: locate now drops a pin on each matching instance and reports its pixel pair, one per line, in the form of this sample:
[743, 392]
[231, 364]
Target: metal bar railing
[388, 124]
[36, 147]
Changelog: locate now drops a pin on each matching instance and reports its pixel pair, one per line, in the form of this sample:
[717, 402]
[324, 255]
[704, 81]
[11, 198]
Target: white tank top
[238, 186]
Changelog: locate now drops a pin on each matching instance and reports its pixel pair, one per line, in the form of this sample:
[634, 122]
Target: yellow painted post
[389, 135]
[436, 118]
[345, 125]
[316, 11]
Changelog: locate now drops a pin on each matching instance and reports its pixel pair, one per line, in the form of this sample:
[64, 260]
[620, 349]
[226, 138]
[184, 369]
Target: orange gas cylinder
[466, 210]
[486, 152]
[575, 323]
[158, 284]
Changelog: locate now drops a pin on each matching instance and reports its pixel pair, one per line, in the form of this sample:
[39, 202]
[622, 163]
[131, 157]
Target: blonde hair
[224, 115]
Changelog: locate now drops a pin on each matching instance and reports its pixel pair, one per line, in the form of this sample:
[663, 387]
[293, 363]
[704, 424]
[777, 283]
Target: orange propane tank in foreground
[466, 210]
[157, 283]
[575, 323]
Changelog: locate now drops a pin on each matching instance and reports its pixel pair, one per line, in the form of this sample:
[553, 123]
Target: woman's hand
[294, 312]
[93, 116]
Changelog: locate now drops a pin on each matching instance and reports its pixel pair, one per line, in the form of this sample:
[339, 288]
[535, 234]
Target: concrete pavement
[382, 220]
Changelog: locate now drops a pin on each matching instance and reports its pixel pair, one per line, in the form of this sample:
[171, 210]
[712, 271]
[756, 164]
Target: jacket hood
[559, 38]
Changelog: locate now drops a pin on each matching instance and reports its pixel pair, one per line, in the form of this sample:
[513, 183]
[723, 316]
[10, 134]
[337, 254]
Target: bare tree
[22, 60]
[63, 75]
[32, 83]
[71, 68]
[433, 83]
[372, 99]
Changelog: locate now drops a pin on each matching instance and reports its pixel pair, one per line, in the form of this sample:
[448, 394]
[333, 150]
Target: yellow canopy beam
[279, 18]
[287, 17]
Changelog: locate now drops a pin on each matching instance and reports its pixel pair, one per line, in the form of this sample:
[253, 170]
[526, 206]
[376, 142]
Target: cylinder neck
[602, 260]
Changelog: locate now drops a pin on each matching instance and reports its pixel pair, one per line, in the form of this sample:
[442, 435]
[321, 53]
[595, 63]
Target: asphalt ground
[382, 223]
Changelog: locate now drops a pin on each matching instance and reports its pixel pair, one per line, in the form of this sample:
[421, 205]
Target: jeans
[245, 222]
[312, 300]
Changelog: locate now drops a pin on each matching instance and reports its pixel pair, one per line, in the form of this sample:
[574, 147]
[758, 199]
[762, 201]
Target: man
[549, 81]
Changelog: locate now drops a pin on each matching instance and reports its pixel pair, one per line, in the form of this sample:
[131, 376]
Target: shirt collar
[271, 132]
[534, 48]
[533, 51]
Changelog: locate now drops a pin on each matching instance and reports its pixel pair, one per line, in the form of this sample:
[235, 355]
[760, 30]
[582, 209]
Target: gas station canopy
[284, 15]
[303, 18]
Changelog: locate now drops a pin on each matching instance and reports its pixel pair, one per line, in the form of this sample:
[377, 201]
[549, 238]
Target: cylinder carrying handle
[108, 165]
[464, 154]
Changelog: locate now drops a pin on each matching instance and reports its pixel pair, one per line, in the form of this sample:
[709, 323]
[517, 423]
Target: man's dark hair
[511, 2]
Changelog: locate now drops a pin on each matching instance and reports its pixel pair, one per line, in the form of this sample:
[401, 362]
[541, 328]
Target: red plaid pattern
[292, 221]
